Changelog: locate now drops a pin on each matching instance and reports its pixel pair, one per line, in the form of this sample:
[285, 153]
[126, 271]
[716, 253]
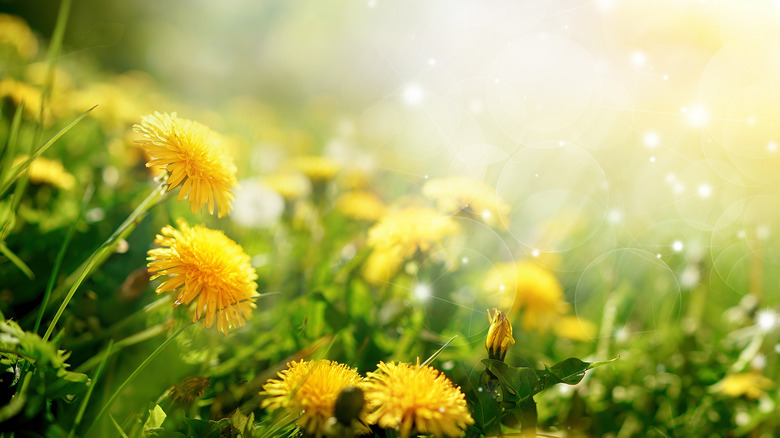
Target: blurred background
[636, 143]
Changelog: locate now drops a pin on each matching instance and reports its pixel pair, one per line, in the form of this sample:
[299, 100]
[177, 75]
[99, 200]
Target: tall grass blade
[17, 171]
[87, 396]
[55, 271]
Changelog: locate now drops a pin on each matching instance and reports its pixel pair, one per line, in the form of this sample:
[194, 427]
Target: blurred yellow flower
[531, 288]
[45, 171]
[291, 185]
[414, 398]
[499, 337]
[318, 169]
[193, 155]
[205, 264]
[574, 328]
[19, 92]
[308, 390]
[382, 265]
[14, 31]
[750, 384]
[402, 234]
[467, 196]
[361, 205]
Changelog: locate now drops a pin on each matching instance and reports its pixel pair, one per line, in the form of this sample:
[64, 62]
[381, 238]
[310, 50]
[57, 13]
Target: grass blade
[87, 396]
[16, 172]
[437, 352]
[61, 256]
[9, 149]
[16, 261]
[138, 370]
[103, 251]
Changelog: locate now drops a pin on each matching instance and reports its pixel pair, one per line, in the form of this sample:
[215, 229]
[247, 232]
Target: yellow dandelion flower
[291, 185]
[574, 328]
[415, 398]
[401, 235]
[361, 205]
[382, 265]
[468, 196]
[193, 155]
[14, 31]
[19, 92]
[205, 264]
[308, 390]
[45, 171]
[318, 169]
[750, 384]
[531, 288]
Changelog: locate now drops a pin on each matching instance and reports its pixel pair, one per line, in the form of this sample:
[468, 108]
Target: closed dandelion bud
[348, 405]
[499, 336]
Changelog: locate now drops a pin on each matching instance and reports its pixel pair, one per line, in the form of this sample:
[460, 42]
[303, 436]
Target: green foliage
[39, 372]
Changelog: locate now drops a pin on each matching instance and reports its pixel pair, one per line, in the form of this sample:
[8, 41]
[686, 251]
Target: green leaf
[485, 410]
[156, 418]
[518, 383]
[570, 371]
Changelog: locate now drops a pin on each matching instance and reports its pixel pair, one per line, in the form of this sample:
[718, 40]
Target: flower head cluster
[309, 390]
[45, 171]
[194, 157]
[402, 234]
[205, 264]
[467, 196]
[418, 398]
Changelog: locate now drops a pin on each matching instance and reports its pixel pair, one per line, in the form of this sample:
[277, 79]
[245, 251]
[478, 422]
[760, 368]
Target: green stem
[104, 250]
[139, 369]
[61, 256]
[87, 396]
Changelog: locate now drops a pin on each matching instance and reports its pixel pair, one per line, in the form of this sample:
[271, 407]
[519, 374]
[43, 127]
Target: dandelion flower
[531, 288]
[45, 171]
[361, 205]
[574, 328]
[318, 169]
[466, 196]
[205, 264]
[401, 235]
[291, 185]
[14, 31]
[19, 92]
[195, 158]
[751, 385]
[415, 398]
[308, 390]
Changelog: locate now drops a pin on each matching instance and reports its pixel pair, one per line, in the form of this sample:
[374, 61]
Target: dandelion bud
[499, 336]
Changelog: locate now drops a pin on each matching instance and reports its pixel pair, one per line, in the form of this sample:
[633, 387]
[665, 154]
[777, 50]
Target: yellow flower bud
[499, 336]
